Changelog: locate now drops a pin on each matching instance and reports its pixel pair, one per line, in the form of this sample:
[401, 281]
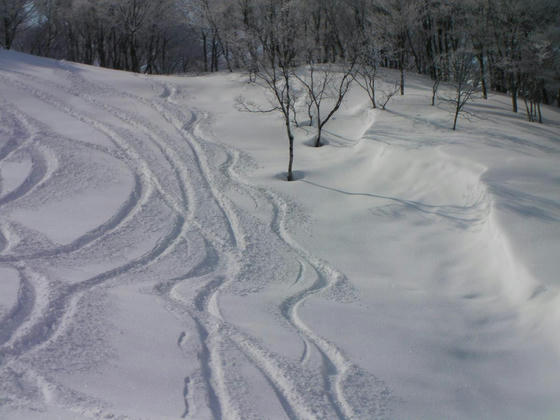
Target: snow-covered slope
[154, 263]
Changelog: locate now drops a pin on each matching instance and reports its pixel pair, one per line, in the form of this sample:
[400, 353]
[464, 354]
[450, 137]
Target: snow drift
[154, 264]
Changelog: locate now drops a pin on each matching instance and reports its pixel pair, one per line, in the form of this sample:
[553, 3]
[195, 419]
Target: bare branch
[242, 104]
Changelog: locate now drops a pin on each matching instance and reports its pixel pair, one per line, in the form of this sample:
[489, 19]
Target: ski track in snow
[199, 206]
[223, 254]
[335, 364]
[176, 159]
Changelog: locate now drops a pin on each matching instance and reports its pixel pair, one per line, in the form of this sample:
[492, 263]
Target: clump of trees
[134, 35]
[14, 16]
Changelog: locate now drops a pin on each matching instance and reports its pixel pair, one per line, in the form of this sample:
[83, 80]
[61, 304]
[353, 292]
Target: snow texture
[154, 263]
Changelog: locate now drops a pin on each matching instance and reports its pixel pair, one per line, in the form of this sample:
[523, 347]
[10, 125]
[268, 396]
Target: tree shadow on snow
[297, 176]
[461, 216]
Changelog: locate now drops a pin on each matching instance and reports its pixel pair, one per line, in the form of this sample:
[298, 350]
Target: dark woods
[511, 46]
[307, 53]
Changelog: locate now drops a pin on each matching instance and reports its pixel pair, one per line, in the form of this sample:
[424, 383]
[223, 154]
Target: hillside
[155, 264]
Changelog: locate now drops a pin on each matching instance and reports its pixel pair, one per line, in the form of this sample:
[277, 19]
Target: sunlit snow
[155, 264]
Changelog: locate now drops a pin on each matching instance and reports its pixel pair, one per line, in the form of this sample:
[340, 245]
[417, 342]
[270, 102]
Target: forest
[506, 46]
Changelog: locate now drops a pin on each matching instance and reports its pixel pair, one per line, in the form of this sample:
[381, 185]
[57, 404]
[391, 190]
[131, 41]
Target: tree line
[516, 45]
[317, 47]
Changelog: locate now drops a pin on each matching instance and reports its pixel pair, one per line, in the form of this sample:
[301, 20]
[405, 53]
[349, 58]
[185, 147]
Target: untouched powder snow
[154, 264]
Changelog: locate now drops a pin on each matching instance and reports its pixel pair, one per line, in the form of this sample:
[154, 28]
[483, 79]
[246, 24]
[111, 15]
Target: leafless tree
[436, 77]
[465, 82]
[388, 93]
[14, 14]
[275, 31]
[366, 73]
[394, 23]
[326, 82]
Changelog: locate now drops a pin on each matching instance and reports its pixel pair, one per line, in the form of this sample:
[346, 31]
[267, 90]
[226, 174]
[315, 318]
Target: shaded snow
[155, 264]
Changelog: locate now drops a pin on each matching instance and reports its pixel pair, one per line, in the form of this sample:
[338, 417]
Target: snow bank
[154, 263]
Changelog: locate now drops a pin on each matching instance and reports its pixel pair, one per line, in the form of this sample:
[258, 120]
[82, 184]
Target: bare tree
[435, 88]
[531, 89]
[275, 31]
[465, 82]
[366, 73]
[13, 16]
[388, 93]
[216, 14]
[394, 22]
[436, 76]
[133, 14]
[328, 82]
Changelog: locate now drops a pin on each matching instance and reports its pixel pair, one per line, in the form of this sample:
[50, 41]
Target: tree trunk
[214, 58]
[135, 64]
[205, 51]
[102, 56]
[455, 119]
[480, 58]
[402, 75]
[291, 160]
[530, 112]
[514, 99]
[514, 91]
[544, 94]
[435, 88]
[457, 110]
[226, 56]
[7, 37]
[319, 127]
[164, 67]
[319, 132]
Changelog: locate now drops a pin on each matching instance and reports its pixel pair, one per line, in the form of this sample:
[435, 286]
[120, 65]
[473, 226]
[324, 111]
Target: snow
[155, 264]
[10, 286]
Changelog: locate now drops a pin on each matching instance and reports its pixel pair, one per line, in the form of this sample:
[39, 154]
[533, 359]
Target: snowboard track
[187, 156]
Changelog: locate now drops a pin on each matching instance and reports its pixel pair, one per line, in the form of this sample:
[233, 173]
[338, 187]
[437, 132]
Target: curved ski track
[179, 168]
